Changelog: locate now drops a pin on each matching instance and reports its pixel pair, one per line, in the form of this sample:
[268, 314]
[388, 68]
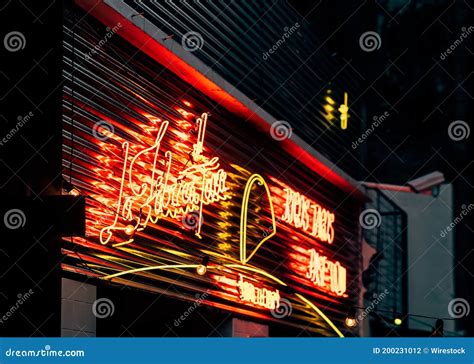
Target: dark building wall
[269, 52]
[30, 165]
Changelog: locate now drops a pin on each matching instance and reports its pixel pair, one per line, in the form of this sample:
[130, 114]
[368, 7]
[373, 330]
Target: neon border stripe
[256, 270]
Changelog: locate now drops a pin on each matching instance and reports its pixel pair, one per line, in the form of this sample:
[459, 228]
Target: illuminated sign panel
[167, 158]
[162, 194]
[344, 110]
[304, 214]
[263, 297]
[326, 273]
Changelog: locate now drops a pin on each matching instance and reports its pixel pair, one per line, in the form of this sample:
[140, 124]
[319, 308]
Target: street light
[350, 320]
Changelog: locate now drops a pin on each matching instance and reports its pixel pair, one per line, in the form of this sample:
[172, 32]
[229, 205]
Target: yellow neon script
[326, 274]
[344, 110]
[262, 297]
[304, 214]
[255, 178]
[165, 195]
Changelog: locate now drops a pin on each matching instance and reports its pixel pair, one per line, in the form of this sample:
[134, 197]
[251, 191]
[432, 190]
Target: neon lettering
[163, 194]
[326, 274]
[262, 297]
[344, 110]
[304, 214]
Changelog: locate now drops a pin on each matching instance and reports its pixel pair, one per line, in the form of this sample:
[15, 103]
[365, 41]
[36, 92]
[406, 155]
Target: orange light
[74, 192]
[129, 229]
[350, 322]
[201, 269]
[326, 273]
[162, 194]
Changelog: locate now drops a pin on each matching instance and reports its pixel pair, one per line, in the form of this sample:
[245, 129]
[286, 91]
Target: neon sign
[344, 110]
[262, 297]
[162, 194]
[326, 273]
[330, 108]
[304, 214]
[255, 178]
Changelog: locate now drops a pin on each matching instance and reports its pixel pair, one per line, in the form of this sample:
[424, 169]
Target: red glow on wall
[148, 45]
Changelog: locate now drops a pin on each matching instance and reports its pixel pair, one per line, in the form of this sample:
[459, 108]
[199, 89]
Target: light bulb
[350, 322]
[201, 269]
[129, 229]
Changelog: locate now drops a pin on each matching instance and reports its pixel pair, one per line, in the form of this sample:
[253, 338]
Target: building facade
[178, 176]
[184, 204]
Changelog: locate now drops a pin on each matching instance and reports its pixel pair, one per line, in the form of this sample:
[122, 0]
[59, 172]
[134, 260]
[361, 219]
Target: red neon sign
[309, 216]
[144, 199]
[327, 274]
